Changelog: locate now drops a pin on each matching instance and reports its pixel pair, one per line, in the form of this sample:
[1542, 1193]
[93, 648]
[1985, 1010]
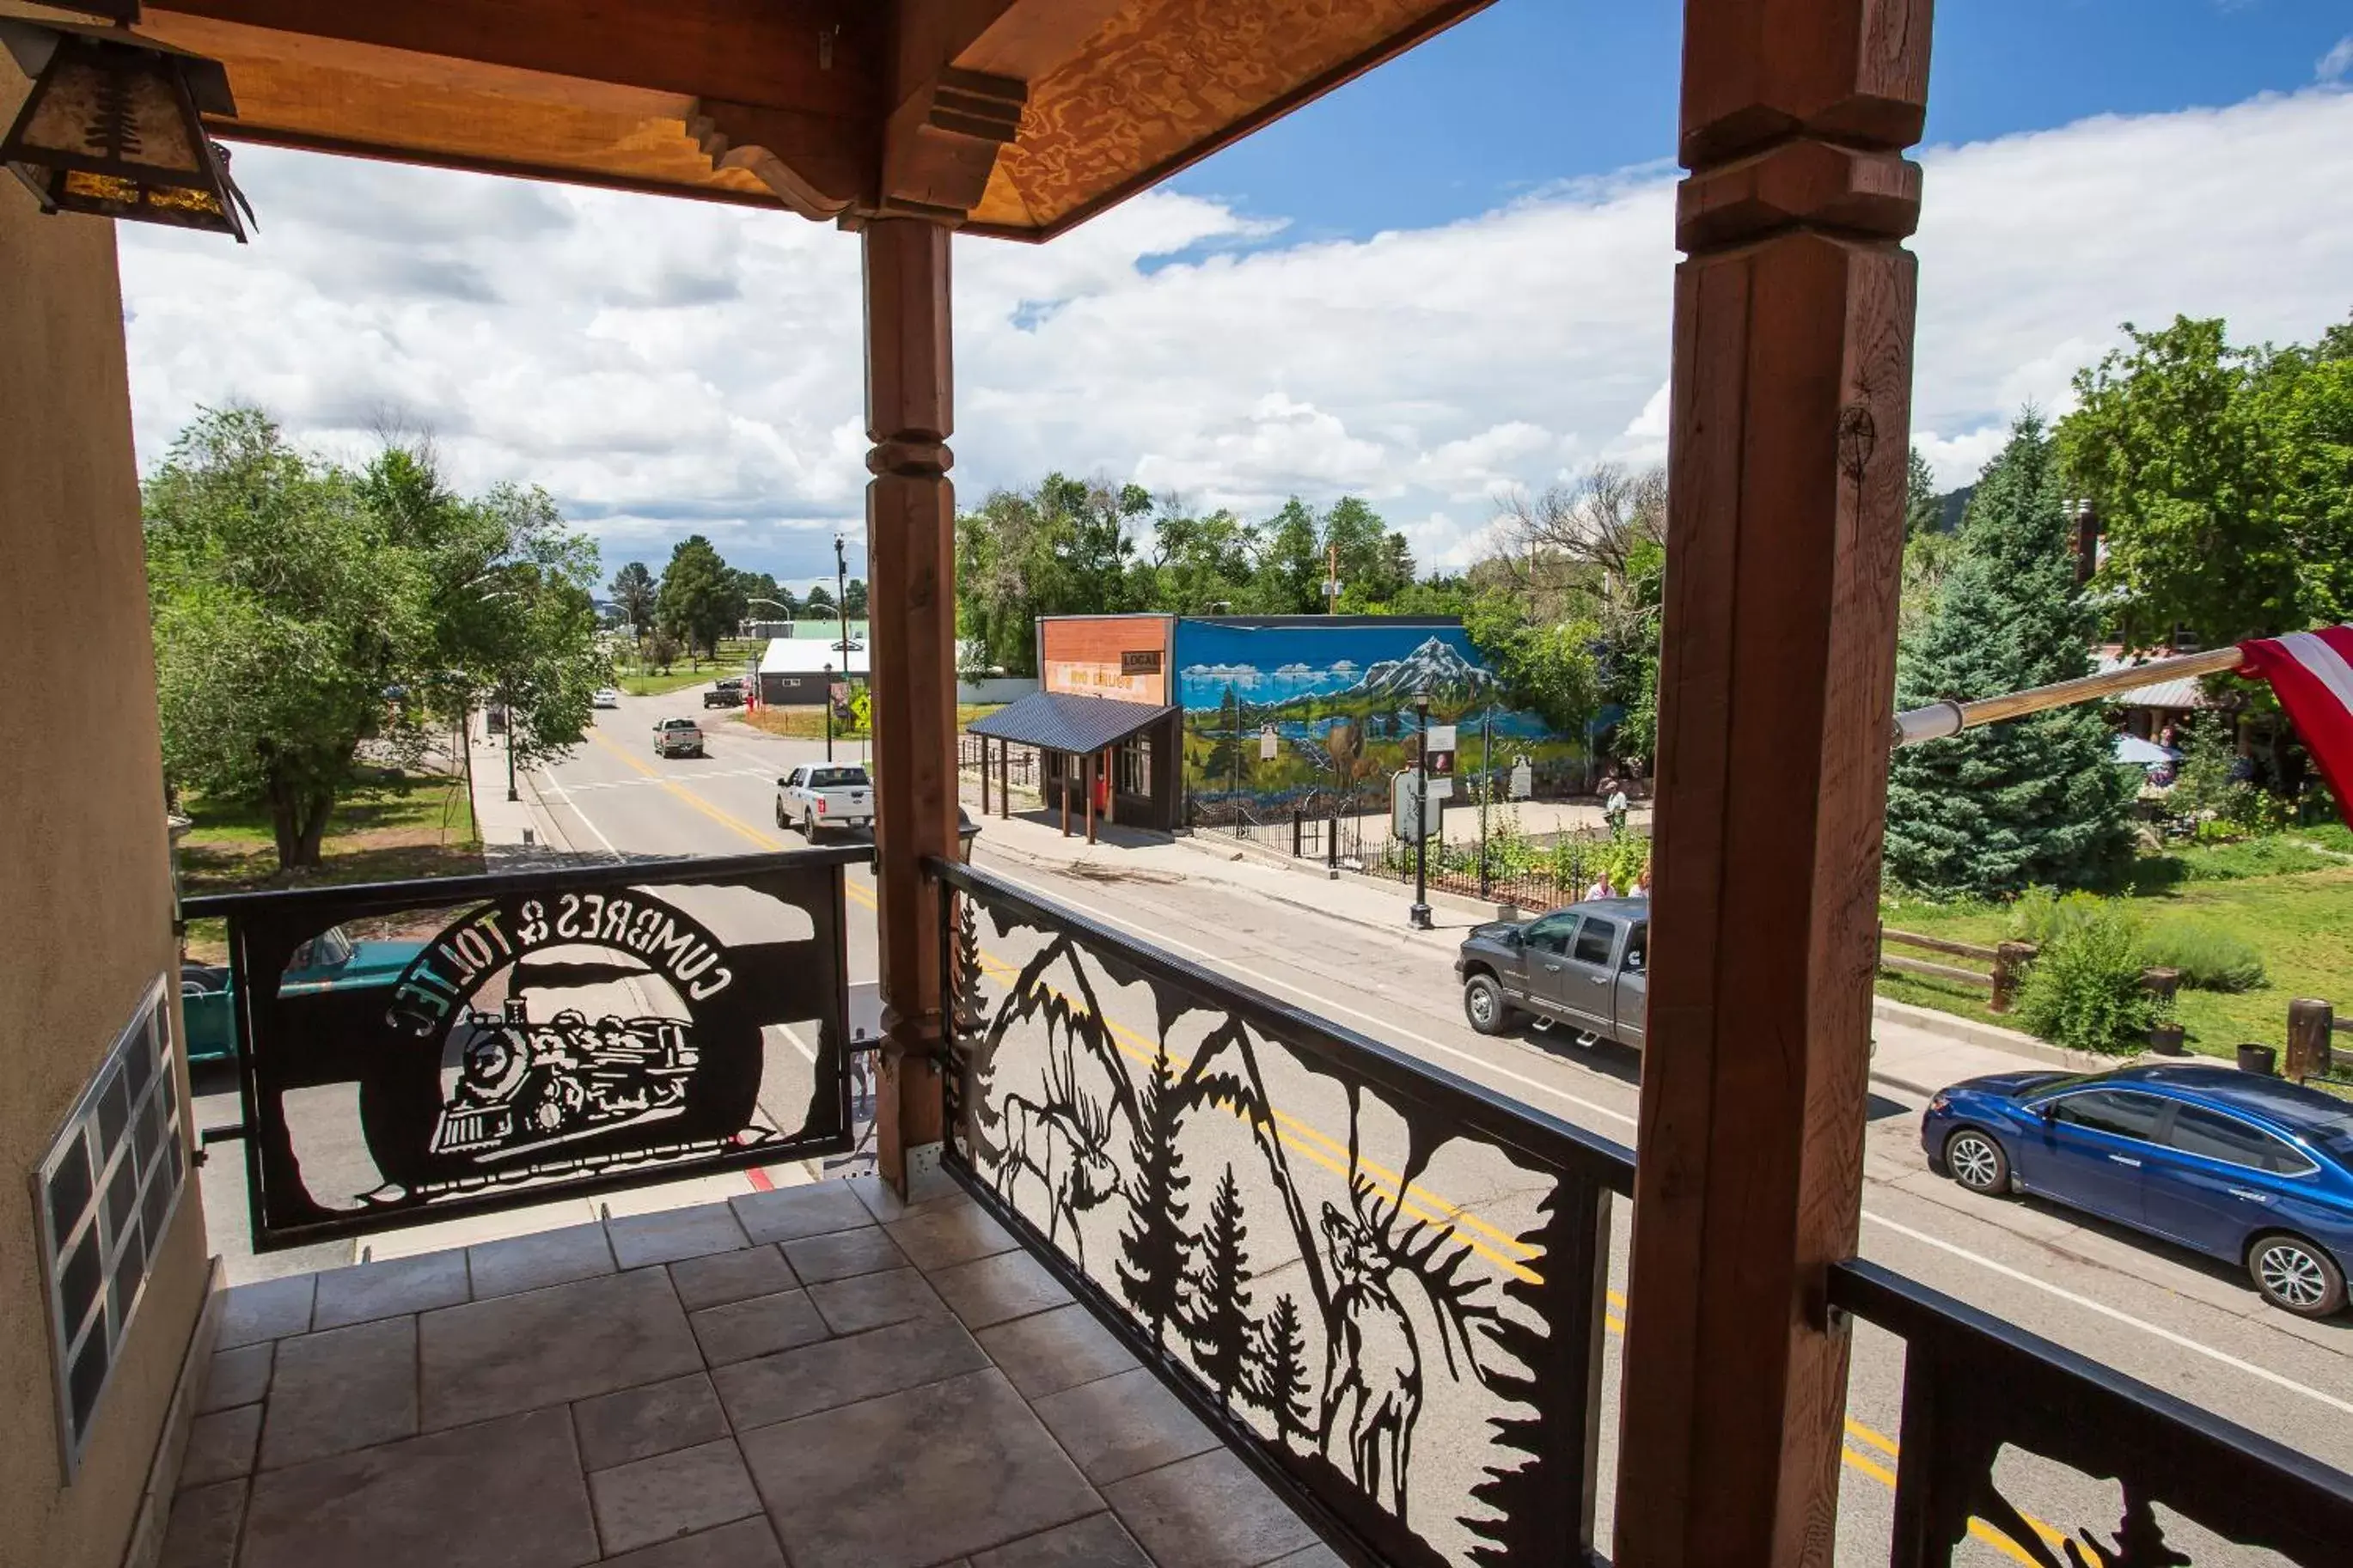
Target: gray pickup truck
[1582, 967]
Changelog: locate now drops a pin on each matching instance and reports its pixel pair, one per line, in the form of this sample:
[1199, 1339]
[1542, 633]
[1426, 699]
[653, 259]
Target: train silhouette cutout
[523, 1085]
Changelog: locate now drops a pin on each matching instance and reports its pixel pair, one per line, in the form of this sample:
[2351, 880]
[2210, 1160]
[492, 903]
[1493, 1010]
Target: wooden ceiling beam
[813, 57]
[960, 82]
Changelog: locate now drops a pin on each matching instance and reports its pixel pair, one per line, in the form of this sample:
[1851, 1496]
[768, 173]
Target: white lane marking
[1386, 1026]
[573, 806]
[2168, 1335]
[794, 1036]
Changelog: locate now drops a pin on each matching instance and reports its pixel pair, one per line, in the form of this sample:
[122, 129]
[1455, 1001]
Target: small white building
[796, 671]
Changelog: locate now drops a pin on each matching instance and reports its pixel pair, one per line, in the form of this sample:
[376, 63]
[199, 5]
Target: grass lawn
[422, 827]
[2294, 904]
[640, 679]
[808, 723]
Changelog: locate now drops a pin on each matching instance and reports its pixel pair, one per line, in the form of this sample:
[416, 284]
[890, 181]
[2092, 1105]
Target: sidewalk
[1132, 854]
[511, 831]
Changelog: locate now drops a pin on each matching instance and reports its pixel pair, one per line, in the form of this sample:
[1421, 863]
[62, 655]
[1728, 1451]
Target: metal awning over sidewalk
[1054, 722]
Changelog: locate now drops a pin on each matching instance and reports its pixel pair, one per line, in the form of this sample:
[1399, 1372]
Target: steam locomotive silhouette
[523, 1085]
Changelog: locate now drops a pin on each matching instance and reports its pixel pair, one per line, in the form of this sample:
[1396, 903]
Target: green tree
[1569, 608]
[283, 610]
[1199, 563]
[525, 629]
[510, 599]
[818, 605]
[1923, 510]
[700, 602]
[853, 599]
[762, 599]
[2224, 479]
[633, 591]
[2040, 800]
[1287, 566]
[1376, 565]
[300, 610]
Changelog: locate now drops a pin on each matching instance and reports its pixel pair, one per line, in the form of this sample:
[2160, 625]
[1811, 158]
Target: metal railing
[1255, 1202]
[1975, 1386]
[1253, 1199]
[503, 1039]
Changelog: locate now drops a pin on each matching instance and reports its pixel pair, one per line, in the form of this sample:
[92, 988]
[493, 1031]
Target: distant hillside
[1950, 506]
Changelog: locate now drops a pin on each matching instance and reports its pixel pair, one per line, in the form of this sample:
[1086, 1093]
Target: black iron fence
[1986, 1405]
[1586, 863]
[1006, 762]
[1254, 1200]
[498, 1040]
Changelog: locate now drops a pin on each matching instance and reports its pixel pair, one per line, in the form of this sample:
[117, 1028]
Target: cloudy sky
[1377, 297]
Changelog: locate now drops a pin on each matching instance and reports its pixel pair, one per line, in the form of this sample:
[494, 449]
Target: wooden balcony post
[1787, 457]
[909, 533]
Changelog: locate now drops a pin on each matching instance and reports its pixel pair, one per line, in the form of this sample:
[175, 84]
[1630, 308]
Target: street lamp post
[1419, 915]
[507, 696]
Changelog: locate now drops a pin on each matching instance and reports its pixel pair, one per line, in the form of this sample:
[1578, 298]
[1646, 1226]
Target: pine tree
[2040, 800]
[1153, 1246]
[1279, 1384]
[1221, 1326]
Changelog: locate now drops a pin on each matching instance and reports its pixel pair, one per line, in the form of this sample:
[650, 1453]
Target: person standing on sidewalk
[1613, 811]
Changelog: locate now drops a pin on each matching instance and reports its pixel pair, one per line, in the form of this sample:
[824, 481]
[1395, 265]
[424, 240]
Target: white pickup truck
[825, 794]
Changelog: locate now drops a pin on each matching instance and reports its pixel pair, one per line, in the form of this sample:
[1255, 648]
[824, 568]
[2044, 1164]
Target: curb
[1243, 848]
[1969, 1031]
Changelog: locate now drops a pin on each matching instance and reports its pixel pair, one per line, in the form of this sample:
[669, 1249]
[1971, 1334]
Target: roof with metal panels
[1060, 723]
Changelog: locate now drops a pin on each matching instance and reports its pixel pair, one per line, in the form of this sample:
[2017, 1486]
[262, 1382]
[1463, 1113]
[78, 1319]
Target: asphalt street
[2191, 1328]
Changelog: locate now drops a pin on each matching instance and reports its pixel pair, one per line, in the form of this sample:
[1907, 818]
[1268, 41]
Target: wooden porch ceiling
[1013, 118]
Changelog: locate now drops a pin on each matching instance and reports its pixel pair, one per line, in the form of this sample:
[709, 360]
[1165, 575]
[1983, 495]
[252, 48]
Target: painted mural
[1338, 702]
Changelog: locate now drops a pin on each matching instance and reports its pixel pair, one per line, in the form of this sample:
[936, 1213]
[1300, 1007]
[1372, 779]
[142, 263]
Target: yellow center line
[1413, 1199]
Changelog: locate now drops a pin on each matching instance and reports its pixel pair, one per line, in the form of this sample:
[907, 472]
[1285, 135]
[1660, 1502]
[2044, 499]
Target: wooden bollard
[2308, 1023]
[2009, 962]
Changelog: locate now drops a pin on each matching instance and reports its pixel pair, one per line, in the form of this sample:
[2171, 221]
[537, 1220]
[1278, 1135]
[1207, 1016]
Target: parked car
[727, 693]
[330, 962]
[607, 697]
[823, 795]
[678, 738]
[2255, 1171]
[1582, 966]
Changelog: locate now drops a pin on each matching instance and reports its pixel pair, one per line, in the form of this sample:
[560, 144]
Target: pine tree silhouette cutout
[1279, 1384]
[1523, 1488]
[1220, 1329]
[1153, 1246]
[965, 972]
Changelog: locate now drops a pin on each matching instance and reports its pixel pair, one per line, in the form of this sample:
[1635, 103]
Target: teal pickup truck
[328, 961]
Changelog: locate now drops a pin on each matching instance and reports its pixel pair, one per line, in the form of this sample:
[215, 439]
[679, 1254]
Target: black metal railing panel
[1992, 1412]
[1383, 1284]
[496, 1040]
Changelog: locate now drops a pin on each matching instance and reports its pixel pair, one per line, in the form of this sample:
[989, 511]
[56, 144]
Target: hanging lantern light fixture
[114, 126]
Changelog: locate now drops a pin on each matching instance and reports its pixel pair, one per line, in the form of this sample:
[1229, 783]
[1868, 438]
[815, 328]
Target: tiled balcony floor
[820, 1376]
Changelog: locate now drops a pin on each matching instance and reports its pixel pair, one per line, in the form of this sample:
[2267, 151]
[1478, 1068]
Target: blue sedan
[2255, 1171]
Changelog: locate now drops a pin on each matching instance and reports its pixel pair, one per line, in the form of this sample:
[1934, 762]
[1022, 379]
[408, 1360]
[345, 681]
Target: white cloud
[2338, 63]
[666, 367]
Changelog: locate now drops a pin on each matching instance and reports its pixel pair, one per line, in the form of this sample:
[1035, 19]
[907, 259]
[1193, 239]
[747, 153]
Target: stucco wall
[85, 892]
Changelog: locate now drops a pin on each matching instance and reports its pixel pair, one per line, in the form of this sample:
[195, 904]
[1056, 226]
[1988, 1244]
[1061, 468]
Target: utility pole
[1419, 915]
[828, 709]
[1331, 580]
[507, 696]
[1486, 788]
